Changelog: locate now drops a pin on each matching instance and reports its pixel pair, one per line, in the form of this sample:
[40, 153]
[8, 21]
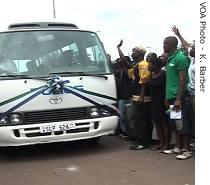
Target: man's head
[155, 63]
[151, 57]
[155, 66]
[138, 53]
[170, 44]
[117, 64]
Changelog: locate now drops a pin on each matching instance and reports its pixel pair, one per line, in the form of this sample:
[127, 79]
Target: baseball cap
[140, 49]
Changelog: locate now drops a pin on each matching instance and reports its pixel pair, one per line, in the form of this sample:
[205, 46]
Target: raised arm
[185, 44]
[122, 56]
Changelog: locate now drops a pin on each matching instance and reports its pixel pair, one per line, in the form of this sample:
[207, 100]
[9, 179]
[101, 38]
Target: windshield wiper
[66, 73]
[20, 76]
[96, 75]
[80, 74]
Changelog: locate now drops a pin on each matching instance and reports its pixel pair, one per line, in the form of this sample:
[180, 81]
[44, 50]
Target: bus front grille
[56, 115]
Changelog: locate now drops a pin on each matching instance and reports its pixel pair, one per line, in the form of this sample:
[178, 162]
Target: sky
[137, 22]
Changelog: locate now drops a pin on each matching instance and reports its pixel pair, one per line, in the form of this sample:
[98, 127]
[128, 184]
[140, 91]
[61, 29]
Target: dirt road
[110, 162]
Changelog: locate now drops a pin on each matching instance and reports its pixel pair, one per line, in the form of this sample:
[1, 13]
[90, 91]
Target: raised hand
[175, 30]
[120, 44]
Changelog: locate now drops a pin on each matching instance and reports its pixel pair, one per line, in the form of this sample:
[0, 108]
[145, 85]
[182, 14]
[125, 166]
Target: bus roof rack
[40, 25]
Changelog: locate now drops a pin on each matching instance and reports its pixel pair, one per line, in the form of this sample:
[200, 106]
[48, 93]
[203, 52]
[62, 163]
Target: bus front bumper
[32, 134]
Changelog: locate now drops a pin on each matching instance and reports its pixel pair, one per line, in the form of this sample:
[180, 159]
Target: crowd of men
[158, 91]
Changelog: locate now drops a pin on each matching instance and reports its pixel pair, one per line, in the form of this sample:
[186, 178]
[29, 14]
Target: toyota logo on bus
[55, 100]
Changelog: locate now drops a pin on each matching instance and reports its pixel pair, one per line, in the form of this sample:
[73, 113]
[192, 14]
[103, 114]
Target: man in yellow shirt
[140, 120]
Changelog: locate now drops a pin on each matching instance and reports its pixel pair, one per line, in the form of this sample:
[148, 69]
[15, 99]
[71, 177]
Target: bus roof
[42, 25]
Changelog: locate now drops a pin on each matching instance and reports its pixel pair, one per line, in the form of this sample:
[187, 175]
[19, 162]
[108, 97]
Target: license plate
[57, 127]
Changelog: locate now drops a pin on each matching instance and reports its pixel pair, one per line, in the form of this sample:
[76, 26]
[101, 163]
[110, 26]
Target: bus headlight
[16, 119]
[94, 112]
[4, 121]
[105, 113]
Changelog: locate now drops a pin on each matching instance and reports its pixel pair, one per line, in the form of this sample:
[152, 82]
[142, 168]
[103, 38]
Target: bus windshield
[45, 52]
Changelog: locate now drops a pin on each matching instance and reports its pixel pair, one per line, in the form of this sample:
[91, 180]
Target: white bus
[56, 85]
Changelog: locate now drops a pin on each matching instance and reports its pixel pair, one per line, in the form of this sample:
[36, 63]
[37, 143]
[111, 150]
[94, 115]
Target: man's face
[134, 54]
[167, 46]
[150, 57]
[153, 67]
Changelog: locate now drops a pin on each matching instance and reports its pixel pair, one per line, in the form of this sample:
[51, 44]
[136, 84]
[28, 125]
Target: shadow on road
[62, 149]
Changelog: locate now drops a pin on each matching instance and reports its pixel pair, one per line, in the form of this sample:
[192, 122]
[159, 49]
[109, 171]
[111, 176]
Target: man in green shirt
[176, 86]
[176, 71]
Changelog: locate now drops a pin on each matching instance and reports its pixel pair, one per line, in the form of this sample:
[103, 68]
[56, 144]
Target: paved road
[107, 163]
